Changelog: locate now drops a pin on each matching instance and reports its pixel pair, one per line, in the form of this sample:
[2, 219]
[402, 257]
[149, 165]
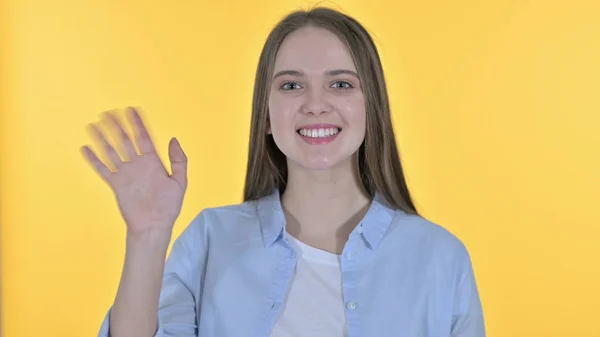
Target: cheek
[354, 112]
[281, 114]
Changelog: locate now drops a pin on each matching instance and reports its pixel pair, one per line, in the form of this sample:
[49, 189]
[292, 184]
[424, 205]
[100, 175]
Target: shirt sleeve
[181, 285]
[467, 318]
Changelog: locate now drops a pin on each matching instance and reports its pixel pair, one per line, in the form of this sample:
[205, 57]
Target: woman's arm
[150, 200]
[467, 318]
[135, 311]
[151, 302]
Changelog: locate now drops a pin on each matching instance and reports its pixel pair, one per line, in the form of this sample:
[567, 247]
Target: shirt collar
[377, 220]
[374, 224]
[271, 216]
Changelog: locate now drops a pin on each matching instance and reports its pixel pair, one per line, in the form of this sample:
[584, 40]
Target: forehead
[313, 49]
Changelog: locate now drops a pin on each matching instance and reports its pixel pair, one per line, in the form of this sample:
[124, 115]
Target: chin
[318, 166]
[321, 163]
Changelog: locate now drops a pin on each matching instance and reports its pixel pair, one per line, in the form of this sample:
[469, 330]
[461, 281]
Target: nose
[315, 102]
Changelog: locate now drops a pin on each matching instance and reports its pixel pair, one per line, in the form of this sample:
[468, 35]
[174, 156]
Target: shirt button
[351, 305]
[359, 230]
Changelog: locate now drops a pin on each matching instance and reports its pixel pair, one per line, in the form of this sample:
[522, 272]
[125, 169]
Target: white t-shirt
[314, 305]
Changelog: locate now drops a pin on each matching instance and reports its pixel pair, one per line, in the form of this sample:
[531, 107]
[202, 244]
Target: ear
[269, 126]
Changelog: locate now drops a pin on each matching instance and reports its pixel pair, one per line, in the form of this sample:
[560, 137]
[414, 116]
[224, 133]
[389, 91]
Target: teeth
[319, 133]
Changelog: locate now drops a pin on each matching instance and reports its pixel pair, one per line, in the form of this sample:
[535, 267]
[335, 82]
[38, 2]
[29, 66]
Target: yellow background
[496, 106]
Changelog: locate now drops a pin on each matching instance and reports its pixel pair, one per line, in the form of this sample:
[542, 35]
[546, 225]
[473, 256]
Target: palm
[145, 194]
[148, 197]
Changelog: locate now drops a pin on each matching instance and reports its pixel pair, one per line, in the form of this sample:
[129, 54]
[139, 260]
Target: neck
[323, 207]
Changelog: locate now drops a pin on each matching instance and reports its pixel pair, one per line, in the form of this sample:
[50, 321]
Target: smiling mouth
[319, 133]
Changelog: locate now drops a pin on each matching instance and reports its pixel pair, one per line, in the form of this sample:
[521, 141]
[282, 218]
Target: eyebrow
[299, 73]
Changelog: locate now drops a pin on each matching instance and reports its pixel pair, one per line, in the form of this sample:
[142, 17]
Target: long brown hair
[378, 165]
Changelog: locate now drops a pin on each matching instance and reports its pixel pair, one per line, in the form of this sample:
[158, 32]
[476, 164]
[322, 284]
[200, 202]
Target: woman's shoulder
[225, 221]
[431, 235]
[228, 212]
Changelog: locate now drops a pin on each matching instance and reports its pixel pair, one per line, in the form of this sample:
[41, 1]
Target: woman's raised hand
[149, 198]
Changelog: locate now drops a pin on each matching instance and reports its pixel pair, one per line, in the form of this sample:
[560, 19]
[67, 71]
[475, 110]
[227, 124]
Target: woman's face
[316, 105]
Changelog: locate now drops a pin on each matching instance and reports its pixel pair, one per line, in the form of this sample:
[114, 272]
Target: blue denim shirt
[403, 276]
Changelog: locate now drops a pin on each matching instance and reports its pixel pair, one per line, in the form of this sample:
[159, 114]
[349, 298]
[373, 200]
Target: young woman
[327, 241]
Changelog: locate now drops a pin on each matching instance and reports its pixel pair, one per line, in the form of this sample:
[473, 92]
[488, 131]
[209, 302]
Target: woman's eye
[342, 85]
[291, 86]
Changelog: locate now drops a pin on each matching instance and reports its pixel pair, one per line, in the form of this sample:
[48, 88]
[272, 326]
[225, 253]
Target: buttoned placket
[280, 285]
[350, 265]
[287, 265]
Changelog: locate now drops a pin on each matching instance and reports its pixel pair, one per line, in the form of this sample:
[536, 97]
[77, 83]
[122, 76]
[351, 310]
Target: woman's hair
[378, 163]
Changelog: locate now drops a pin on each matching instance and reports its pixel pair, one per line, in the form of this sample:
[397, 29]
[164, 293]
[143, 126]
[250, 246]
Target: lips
[320, 130]
[319, 134]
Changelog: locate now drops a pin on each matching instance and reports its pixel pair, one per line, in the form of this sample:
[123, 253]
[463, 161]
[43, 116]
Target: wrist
[158, 238]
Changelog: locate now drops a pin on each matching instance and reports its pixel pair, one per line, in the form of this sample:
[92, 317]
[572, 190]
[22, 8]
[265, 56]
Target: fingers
[96, 163]
[123, 141]
[178, 161]
[113, 156]
[122, 136]
[142, 137]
